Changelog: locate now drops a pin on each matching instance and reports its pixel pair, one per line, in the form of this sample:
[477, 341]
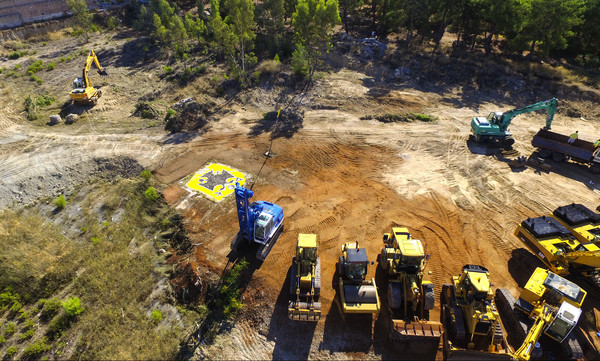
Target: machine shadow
[346, 333]
[293, 339]
[521, 265]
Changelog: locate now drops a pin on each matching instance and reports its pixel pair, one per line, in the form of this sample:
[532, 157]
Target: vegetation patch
[395, 118]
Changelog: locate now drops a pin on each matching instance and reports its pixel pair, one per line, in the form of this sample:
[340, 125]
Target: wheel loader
[549, 305]
[305, 281]
[470, 318]
[358, 295]
[409, 296]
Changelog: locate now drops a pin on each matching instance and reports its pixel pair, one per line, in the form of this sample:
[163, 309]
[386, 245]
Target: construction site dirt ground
[333, 173]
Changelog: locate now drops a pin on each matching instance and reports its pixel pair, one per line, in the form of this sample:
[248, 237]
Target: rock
[71, 118]
[54, 119]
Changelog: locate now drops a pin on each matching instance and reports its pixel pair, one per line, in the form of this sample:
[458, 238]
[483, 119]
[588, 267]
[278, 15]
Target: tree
[548, 24]
[350, 9]
[240, 18]
[585, 42]
[83, 18]
[313, 22]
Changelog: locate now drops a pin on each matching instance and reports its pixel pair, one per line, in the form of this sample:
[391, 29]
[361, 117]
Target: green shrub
[95, 241]
[146, 174]
[300, 64]
[36, 349]
[170, 112]
[17, 54]
[7, 298]
[35, 67]
[72, 306]
[27, 334]
[50, 308]
[58, 325]
[112, 23]
[156, 316]
[11, 327]
[51, 66]
[36, 79]
[2, 340]
[10, 352]
[168, 70]
[16, 307]
[60, 202]
[151, 194]
[276, 58]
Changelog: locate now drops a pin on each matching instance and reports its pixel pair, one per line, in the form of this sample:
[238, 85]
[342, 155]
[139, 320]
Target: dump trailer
[471, 320]
[83, 92]
[559, 247]
[357, 294]
[410, 297]
[261, 223]
[305, 281]
[549, 305]
[554, 145]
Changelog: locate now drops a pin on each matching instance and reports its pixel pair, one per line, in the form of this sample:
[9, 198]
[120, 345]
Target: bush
[51, 66]
[36, 79]
[168, 70]
[50, 308]
[35, 67]
[10, 352]
[146, 174]
[36, 349]
[151, 194]
[300, 64]
[72, 306]
[17, 54]
[170, 112]
[156, 316]
[7, 298]
[11, 327]
[60, 202]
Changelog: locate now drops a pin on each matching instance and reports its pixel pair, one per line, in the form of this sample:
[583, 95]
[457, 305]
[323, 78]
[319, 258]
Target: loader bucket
[360, 298]
[416, 330]
[474, 355]
[304, 311]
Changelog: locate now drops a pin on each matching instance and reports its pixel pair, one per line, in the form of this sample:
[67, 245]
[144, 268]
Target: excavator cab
[355, 265]
[78, 85]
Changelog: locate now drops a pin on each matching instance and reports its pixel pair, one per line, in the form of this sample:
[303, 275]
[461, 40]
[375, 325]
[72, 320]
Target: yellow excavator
[551, 306]
[566, 242]
[305, 281]
[409, 295]
[83, 92]
[471, 319]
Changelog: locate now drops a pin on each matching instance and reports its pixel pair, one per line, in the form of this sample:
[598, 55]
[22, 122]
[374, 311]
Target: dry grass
[112, 266]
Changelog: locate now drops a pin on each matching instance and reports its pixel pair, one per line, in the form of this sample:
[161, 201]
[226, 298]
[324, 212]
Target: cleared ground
[335, 174]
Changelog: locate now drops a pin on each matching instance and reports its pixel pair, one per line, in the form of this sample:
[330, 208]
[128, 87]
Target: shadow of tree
[286, 125]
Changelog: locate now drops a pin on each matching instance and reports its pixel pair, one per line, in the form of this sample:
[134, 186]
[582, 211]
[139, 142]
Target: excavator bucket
[416, 331]
[304, 311]
[102, 72]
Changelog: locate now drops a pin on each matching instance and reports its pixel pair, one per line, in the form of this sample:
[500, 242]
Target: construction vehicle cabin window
[356, 270]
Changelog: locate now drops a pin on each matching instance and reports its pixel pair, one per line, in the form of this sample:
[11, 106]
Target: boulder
[71, 118]
[54, 119]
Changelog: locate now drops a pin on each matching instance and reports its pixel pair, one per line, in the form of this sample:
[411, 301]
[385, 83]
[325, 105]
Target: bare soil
[335, 175]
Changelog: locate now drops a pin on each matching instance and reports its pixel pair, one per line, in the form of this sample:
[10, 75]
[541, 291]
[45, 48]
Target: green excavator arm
[550, 106]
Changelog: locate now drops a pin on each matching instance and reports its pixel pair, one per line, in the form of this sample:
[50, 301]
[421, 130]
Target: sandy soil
[335, 175]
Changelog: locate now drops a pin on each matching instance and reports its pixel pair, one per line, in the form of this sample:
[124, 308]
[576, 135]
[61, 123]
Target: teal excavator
[494, 128]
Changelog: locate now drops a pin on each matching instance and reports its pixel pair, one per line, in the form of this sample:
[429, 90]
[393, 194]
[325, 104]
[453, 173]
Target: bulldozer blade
[417, 330]
[302, 311]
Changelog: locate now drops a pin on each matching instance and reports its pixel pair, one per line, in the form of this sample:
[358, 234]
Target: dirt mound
[189, 115]
[124, 167]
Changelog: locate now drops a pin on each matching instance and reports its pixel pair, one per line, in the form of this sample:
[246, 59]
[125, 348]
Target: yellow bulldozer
[409, 295]
[305, 281]
[357, 294]
[549, 305]
[83, 92]
[470, 318]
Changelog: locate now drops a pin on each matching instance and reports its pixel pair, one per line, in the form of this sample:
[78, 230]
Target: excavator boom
[550, 106]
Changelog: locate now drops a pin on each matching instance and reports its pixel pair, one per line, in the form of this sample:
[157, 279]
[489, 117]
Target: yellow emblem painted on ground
[216, 181]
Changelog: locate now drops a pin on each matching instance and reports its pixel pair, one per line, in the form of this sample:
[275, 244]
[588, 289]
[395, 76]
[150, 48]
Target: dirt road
[335, 174]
